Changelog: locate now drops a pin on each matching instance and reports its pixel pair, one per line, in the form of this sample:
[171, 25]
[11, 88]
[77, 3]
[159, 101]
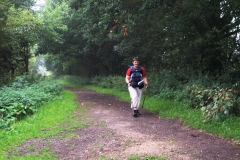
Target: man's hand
[146, 86]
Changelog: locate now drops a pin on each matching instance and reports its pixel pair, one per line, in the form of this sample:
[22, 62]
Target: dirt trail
[114, 133]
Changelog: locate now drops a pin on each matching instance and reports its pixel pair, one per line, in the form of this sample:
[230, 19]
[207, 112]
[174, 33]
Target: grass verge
[47, 121]
[229, 128]
[44, 155]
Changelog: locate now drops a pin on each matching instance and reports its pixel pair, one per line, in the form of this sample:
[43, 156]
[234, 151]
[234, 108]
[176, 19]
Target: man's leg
[139, 95]
[134, 99]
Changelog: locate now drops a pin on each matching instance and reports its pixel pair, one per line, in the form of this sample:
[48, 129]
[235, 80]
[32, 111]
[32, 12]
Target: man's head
[135, 62]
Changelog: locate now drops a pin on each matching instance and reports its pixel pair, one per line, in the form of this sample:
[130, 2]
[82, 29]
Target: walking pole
[144, 97]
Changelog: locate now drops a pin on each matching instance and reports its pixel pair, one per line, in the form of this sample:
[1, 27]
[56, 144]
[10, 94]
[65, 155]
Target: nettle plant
[216, 104]
[23, 98]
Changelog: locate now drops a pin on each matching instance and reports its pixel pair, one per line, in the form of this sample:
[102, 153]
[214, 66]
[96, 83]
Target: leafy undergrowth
[216, 104]
[41, 124]
[23, 98]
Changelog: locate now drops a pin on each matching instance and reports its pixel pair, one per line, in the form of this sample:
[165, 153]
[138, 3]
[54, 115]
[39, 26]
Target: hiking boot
[135, 113]
[138, 113]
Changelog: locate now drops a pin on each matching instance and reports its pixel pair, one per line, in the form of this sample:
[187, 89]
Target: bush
[5, 79]
[160, 86]
[216, 103]
[116, 82]
[22, 98]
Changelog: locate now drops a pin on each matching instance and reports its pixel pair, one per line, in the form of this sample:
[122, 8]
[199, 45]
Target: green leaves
[18, 31]
[24, 98]
[53, 28]
[216, 104]
[191, 35]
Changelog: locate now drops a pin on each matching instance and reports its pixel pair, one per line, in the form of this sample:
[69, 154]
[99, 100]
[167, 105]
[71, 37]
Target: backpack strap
[133, 69]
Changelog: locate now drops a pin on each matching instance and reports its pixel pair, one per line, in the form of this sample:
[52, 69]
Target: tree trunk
[26, 57]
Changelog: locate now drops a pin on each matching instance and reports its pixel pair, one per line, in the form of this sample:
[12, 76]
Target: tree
[53, 29]
[22, 27]
[191, 36]
[19, 26]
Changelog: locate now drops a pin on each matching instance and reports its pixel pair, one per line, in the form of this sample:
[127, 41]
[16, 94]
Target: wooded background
[86, 37]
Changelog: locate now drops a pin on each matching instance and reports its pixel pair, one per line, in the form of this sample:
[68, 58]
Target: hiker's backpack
[136, 76]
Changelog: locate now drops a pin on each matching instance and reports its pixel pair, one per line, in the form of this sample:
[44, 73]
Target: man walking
[135, 79]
